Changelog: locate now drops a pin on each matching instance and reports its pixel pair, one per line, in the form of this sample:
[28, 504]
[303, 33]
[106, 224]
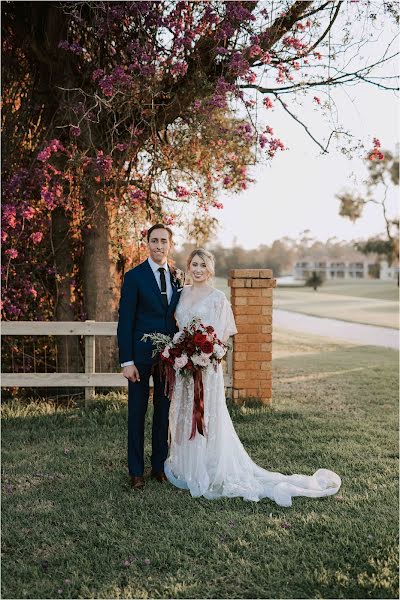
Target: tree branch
[324, 150]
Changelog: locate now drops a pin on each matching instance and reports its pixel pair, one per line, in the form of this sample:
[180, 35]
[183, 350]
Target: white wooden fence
[89, 379]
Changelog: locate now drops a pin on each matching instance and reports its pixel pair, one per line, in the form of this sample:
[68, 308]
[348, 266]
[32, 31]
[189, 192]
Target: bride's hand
[131, 372]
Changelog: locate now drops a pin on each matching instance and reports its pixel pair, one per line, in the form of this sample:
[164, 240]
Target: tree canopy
[119, 114]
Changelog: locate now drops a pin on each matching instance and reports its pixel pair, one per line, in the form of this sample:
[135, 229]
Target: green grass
[369, 288]
[357, 309]
[70, 520]
[371, 302]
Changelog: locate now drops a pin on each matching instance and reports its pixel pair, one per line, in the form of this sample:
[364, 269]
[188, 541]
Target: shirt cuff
[127, 364]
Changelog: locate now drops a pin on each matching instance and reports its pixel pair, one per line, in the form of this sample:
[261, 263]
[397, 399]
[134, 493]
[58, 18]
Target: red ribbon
[198, 404]
[167, 372]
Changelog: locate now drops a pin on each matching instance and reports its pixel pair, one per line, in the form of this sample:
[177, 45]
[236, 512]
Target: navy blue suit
[141, 310]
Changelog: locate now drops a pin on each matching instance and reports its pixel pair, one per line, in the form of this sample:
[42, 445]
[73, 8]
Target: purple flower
[106, 85]
[138, 196]
[75, 131]
[179, 68]
[237, 12]
[238, 65]
[76, 48]
[48, 197]
[104, 163]
[218, 101]
[97, 73]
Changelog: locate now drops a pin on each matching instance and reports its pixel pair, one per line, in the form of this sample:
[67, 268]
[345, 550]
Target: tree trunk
[68, 348]
[101, 281]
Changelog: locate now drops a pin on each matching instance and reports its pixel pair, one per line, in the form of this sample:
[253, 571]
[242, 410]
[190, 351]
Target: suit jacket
[141, 310]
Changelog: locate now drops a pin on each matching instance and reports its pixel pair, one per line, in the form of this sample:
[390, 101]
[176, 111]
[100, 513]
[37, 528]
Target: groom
[149, 296]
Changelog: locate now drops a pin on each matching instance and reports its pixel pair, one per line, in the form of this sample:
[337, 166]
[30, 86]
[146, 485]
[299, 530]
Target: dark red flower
[174, 352]
[207, 347]
[199, 339]
[190, 348]
[210, 329]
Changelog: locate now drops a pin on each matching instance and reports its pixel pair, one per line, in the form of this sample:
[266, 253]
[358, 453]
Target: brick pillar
[251, 297]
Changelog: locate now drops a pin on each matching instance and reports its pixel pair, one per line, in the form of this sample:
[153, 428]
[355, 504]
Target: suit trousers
[138, 398]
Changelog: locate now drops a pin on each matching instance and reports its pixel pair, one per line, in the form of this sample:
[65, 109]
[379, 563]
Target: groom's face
[159, 245]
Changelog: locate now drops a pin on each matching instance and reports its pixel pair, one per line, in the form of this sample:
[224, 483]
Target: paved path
[351, 332]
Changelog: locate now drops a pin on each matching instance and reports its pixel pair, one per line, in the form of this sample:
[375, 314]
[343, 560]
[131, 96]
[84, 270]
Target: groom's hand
[131, 372]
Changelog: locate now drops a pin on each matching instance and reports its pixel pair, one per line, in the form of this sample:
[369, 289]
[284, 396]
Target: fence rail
[89, 379]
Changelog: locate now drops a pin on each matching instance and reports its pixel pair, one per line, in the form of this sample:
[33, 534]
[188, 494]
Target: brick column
[251, 298]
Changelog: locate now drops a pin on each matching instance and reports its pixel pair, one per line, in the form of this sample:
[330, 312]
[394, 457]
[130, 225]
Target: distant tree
[383, 173]
[315, 281]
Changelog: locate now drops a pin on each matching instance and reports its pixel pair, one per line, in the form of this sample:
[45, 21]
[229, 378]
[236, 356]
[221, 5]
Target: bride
[217, 465]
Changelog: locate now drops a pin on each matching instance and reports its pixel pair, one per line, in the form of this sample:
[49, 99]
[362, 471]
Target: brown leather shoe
[137, 482]
[159, 476]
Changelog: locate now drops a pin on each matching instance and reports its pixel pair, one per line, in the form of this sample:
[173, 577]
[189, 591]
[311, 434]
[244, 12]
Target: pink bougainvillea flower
[12, 253]
[36, 237]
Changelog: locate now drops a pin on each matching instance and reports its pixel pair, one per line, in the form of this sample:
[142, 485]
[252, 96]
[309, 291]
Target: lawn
[72, 527]
[372, 302]
[357, 309]
[369, 288]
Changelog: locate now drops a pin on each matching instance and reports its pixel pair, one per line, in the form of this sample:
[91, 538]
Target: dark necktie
[163, 287]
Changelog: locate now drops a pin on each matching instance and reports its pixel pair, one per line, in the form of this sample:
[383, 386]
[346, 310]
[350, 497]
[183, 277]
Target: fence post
[90, 363]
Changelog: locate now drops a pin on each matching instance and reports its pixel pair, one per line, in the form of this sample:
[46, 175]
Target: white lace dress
[217, 464]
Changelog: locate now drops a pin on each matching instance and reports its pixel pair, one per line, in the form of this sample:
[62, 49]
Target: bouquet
[189, 352]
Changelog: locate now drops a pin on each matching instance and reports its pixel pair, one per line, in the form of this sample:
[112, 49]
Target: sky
[296, 190]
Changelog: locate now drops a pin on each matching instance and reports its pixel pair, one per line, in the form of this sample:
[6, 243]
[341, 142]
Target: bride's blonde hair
[206, 256]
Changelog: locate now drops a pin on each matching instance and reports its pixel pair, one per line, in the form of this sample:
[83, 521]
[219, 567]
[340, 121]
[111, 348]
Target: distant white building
[331, 269]
[388, 273]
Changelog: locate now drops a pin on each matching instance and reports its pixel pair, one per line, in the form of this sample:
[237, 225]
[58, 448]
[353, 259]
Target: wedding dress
[217, 465]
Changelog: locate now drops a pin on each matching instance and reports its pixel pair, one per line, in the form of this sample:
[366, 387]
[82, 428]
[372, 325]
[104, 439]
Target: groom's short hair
[159, 226]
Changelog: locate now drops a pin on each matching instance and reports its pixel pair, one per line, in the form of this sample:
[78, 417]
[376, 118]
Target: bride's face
[198, 270]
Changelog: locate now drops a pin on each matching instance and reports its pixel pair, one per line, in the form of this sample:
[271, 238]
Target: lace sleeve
[225, 325]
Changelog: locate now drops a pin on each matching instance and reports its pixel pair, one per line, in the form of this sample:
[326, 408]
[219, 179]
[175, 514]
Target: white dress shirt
[154, 267]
